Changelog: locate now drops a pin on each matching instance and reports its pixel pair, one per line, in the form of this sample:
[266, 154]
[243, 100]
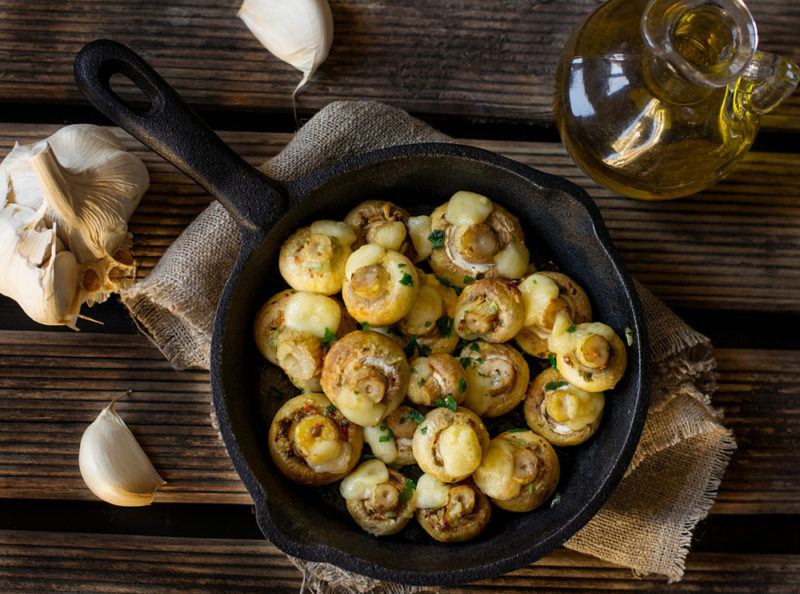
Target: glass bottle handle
[767, 80]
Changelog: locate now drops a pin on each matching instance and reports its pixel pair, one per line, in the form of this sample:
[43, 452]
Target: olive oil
[659, 99]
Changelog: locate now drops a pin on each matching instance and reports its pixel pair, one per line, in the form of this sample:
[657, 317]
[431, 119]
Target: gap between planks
[734, 247]
[42, 417]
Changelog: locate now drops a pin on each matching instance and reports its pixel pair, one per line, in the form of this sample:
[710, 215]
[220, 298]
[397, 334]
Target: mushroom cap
[435, 377]
[285, 455]
[430, 319]
[269, 322]
[489, 309]
[453, 262]
[546, 385]
[314, 261]
[369, 220]
[520, 463]
[497, 376]
[368, 366]
[427, 443]
[445, 524]
[402, 425]
[533, 339]
[383, 522]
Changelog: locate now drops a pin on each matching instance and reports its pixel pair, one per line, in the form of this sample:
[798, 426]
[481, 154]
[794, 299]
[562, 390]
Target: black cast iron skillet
[559, 220]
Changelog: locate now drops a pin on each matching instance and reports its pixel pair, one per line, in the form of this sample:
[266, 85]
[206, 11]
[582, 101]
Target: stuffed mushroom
[449, 444]
[436, 378]
[314, 257]
[474, 238]
[380, 499]
[311, 442]
[544, 294]
[451, 512]
[380, 285]
[497, 376]
[519, 472]
[293, 331]
[490, 310]
[589, 356]
[560, 412]
[430, 319]
[391, 440]
[384, 224]
[365, 374]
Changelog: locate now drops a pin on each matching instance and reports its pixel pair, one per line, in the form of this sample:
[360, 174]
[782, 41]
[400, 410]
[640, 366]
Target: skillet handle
[175, 132]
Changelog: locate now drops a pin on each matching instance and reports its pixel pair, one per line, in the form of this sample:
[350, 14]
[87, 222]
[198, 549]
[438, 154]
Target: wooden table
[727, 260]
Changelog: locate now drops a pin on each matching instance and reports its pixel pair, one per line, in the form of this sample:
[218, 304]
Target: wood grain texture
[70, 562]
[53, 385]
[736, 246]
[490, 60]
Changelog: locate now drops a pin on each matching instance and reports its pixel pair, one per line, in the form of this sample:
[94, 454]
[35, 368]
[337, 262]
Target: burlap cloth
[647, 523]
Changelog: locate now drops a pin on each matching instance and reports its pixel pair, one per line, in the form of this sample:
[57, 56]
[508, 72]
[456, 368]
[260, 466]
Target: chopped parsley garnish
[555, 385]
[413, 415]
[407, 280]
[551, 357]
[424, 350]
[629, 336]
[462, 385]
[517, 430]
[414, 371]
[465, 361]
[421, 382]
[410, 346]
[401, 265]
[393, 331]
[428, 323]
[437, 239]
[571, 328]
[531, 488]
[408, 491]
[330, 410]
[423, 429]
[468, 279]
[587, 375]
[447, 402]
[387, 435]
[330, 335]
[474, 347]
[445, 326]
[447, 283]
[364, 326]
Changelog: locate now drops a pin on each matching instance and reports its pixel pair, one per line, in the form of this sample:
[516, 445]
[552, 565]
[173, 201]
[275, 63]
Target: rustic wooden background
[727, 260]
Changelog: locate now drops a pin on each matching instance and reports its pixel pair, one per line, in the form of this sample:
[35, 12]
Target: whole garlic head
[65, 203]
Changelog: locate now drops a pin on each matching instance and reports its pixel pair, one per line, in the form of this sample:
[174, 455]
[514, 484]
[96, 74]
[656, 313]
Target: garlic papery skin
[298, 32]
[113, 464]
[65, 203]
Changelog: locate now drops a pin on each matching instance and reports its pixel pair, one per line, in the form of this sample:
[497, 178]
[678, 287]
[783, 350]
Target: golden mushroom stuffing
[400, 329]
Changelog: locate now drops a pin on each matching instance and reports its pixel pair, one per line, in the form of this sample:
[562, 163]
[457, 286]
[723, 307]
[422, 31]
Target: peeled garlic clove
[298, 32]
[113, 464]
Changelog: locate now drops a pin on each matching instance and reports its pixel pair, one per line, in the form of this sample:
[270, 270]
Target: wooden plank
[737, 246]
[42, 417]
[492, 59]
[70, 562]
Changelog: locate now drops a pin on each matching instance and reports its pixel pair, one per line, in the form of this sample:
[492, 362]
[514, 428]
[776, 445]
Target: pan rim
[321, 552]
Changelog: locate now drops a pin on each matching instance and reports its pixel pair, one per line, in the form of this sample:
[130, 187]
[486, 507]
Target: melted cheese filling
[360, 483]
[366, 255]
[495, 476]
[537, 293]
[572, 409]
[360, 409]
[339, 230]
[420, 229]
[382, 443]
[459, 450]
[312, 313]
[431, 492]
[512, 261]
[389, 234]
[428, 308]
[468, 208]
[316, 439]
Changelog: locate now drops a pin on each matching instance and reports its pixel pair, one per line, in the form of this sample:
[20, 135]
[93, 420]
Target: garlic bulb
[113, 464]
[298, 32]
[65, 203]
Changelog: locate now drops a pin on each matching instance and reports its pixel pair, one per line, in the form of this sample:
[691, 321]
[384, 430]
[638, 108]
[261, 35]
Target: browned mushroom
[384, 224]
[544, 294]
[380, 285]
[589, 356]
[380, 499]
[435, 378]
[560, 412]
[311, 442]
[490, 310]
[365, 374]
[474, 238]
[314, 257]
[497, 375]
[293, 330]
[451, 513]
[449, 444]
[519, 472]
[391, 440]
[430, 320]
